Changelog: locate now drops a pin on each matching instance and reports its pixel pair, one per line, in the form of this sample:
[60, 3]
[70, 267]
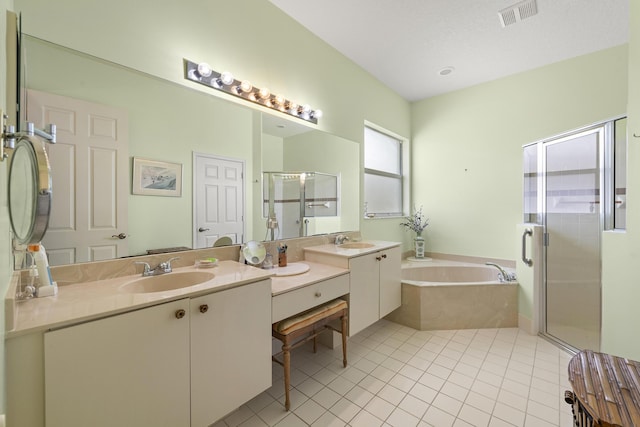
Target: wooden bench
[297, 330]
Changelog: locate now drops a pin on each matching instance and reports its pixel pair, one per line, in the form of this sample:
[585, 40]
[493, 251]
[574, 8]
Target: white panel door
[218, 199]
[89, 176]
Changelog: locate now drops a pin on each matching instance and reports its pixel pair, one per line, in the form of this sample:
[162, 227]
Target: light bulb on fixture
[316, 114]
[227, 78]
[204, 69]
[278, 100]
[246, 86]
[264, 93]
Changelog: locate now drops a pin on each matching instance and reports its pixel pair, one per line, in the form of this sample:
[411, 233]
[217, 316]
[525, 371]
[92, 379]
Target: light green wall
[467, 145]
[467, 148]
[621, 251]
[262, 44]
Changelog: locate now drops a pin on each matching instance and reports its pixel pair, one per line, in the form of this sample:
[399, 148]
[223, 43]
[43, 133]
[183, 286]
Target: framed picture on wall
[156, 178]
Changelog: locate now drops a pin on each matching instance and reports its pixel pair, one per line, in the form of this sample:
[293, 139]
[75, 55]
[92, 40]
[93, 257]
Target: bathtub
[447, 295]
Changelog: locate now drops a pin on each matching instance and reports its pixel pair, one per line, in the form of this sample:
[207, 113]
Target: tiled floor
[401, 377]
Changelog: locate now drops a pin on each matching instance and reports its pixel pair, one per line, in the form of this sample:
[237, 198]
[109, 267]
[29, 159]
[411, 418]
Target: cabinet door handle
[378, 258]
[318, 294]
[204, 308]
[384, 255]
[180, 313]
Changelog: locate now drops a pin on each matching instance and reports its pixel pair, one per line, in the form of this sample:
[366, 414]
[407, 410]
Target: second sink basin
[356, 245]
[166, 282]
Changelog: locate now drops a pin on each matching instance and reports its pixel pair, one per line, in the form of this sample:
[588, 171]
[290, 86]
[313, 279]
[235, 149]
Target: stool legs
[286, 363]
[344, 340]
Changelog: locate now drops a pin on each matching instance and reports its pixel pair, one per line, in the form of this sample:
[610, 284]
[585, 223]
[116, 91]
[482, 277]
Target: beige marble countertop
[317, 273]
[340, 250]
[92, 300]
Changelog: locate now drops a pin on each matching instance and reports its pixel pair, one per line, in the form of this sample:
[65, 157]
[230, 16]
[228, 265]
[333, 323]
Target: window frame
[403, 176]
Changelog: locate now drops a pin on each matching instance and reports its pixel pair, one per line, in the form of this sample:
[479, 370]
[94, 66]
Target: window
[383, 174]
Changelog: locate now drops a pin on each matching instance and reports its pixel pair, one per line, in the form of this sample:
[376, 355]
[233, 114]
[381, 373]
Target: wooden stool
[298, 329]
[606, 390]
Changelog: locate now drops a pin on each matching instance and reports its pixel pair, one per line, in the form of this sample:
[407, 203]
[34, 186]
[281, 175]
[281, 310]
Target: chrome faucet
[162, 268]
[503, 276]
[340, 239]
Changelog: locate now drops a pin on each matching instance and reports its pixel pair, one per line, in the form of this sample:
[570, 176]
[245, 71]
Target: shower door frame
[600, 130]
[606, 207]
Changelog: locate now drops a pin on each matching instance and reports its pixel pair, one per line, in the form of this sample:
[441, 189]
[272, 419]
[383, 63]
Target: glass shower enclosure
[291, 198]
[575, 187]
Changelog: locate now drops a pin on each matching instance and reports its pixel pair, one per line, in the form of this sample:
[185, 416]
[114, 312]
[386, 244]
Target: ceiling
[406, 43]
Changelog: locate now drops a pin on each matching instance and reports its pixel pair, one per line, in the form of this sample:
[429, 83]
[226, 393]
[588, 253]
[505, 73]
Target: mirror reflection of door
[89, 178]
[218, 199]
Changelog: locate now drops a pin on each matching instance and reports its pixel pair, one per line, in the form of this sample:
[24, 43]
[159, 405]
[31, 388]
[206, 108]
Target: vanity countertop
[346, 252]
[82, 302]
[87, 301]
[317, 273]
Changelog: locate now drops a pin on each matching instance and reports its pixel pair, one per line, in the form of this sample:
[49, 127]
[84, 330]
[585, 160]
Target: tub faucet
[503, 276]
[340, 239]
[163, 267]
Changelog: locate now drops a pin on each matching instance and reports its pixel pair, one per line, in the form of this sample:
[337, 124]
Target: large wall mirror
[164, 122]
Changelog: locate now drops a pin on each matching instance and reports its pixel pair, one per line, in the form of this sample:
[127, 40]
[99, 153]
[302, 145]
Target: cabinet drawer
[299, 300]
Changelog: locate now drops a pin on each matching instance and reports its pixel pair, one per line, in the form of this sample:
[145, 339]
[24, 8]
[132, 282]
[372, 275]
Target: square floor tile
[380, 408]
[401, 418]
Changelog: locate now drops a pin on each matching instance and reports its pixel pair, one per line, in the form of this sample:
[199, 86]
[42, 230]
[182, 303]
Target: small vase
[419, 246]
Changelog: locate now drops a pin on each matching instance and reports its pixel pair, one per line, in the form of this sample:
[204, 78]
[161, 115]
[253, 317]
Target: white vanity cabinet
[184, 363]
[126, 370]
[230, 350]
[374, 289]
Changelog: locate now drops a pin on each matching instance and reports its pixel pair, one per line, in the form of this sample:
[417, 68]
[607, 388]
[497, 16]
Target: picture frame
[156, 178]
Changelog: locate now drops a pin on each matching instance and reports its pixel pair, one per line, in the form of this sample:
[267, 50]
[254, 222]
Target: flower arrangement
[416, 222]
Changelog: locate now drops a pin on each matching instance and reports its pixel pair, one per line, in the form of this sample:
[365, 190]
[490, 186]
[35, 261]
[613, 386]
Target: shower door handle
[528, 261]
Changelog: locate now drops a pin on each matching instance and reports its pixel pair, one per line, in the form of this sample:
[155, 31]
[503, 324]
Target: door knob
[120, 236]
[180, 314]
[204, 308]
[201, 229]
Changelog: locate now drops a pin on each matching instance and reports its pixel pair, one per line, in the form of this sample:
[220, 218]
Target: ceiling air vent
[519, 11]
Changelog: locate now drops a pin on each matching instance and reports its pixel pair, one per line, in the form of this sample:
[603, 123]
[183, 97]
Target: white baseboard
[526, 325]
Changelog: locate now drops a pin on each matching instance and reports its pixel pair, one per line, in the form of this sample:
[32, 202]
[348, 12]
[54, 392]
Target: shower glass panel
[290, 198]
[573, 223]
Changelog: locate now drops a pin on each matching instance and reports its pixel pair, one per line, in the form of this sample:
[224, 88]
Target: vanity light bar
[225, 82]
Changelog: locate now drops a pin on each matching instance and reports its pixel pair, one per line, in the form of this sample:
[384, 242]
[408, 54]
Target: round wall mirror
[29, 190]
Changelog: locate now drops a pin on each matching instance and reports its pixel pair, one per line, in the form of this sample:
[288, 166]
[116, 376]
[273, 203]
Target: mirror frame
[37, 215]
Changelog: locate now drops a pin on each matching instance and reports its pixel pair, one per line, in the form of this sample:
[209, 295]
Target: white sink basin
[356, 245]
[166, 282]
